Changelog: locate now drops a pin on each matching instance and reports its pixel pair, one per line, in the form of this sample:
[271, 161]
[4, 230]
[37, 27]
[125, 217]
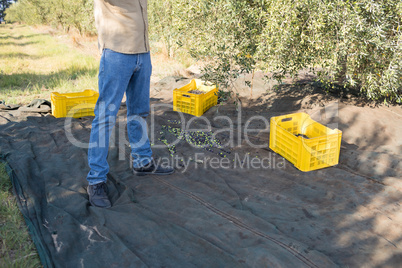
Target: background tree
[351, 45]
[4, 4]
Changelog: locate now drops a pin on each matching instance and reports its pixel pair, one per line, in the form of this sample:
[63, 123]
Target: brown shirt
[122, 25]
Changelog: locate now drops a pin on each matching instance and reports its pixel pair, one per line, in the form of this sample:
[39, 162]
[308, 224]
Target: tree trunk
[342, 71]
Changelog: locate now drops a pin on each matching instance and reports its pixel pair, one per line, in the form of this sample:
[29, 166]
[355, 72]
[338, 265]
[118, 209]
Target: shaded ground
[232, 216]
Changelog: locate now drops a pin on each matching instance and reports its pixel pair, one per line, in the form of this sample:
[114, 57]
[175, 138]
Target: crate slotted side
[195, 104]
[319, 150]
[75, 105]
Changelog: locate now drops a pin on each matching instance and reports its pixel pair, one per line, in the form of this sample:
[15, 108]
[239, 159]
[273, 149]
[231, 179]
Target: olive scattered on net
[198, 92]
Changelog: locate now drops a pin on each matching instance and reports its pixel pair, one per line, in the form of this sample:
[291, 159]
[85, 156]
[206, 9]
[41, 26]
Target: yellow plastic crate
[305, 143]
[195, 104]
[74, 104]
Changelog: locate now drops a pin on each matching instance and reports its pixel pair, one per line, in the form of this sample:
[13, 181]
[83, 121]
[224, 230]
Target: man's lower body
[118, 74]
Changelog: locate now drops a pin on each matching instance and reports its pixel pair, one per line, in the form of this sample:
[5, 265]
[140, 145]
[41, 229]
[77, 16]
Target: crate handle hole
[188, 96]
[287, 119]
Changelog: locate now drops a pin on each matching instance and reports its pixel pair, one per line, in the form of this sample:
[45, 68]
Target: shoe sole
[92, 204]
[151, 173]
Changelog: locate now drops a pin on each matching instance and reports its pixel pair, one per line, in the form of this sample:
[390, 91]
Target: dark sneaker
[151, 168]
[98, 195]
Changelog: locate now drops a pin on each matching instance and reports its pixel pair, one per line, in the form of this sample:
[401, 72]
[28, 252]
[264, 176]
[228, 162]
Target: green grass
[33, 64]
[16, 248]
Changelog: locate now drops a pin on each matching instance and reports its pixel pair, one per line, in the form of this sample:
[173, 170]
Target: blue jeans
[118, 74]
